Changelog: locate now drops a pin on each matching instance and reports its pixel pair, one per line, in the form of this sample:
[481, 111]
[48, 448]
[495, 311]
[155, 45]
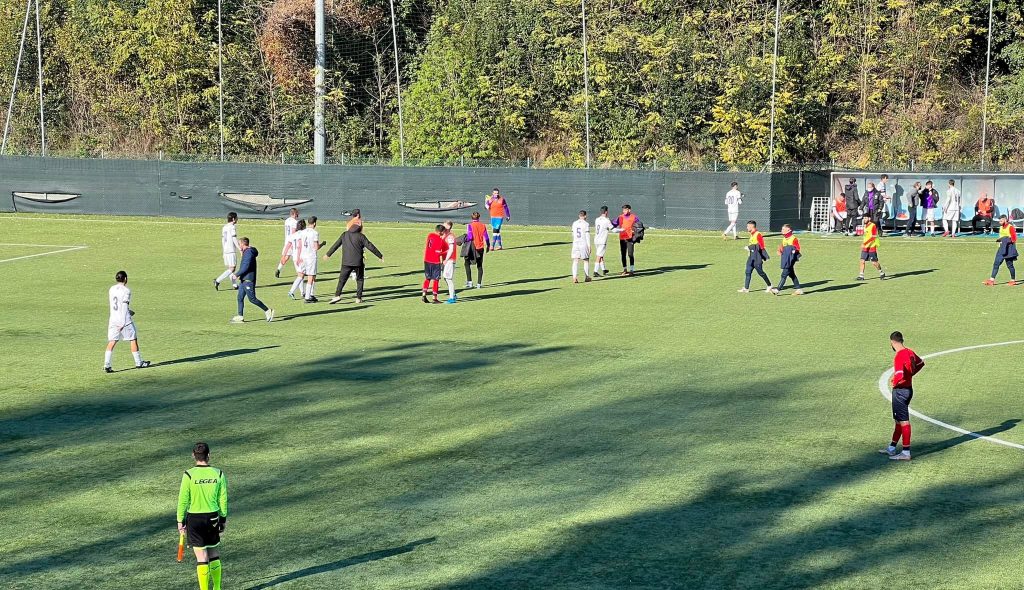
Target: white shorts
[229, 260]
[951, 215]
[308, 266]
[449, 270]
[581, 251]
[929, 214]
[126, 333]
[733, 216]
[601, 249]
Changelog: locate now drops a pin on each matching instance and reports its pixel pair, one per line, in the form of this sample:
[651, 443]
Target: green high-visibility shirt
[204, 489]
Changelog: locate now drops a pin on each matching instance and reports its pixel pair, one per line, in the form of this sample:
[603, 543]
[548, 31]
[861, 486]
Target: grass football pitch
[660, 431]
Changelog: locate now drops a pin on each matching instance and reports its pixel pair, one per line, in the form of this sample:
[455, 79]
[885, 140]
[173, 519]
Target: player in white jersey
[121, 326]
[581, 247]
[733, 200]
[602, 227]
[291, 225]
[448, 261]
[229, 245]
[310, 245]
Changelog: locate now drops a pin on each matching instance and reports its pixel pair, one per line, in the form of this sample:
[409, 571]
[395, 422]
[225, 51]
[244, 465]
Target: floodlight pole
[17, 70]
[988, 67]
[220, 78]
[775, 69]
[319, 128]
[586, 80]
[398, 84]
[39, 61]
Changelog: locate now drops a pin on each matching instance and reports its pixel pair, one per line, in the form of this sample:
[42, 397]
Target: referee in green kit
[202, 513]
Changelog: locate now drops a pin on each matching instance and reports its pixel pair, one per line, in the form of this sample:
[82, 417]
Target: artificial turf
[660, 431]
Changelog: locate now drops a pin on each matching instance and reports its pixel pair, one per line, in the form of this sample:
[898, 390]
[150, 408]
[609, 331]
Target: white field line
[71, 249]
[883, 387]
[655, 233]
[42, 245]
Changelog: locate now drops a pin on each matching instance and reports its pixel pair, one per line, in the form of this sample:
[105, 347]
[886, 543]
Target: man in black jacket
[246, 277]
[913, 202]
[852, 206]
[352, 244]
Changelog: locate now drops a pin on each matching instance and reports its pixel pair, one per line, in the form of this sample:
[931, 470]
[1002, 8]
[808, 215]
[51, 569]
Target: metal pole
[398, 85]
[775, 69]
[319, 128]
[220, 78]
[17, 69]
[988, 67]
[39, 61]
[586, 80]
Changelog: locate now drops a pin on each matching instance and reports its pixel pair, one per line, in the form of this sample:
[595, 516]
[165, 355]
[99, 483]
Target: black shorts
[869, 256]
[901, 404]
[432, 271]
[203, 529]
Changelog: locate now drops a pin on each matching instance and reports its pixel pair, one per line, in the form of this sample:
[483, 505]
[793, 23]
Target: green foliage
[861, 82]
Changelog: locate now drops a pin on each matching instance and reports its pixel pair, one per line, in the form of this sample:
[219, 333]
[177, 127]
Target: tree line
[678, 83]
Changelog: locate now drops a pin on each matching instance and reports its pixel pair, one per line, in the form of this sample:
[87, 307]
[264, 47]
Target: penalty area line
[883, 388]
[68, 249]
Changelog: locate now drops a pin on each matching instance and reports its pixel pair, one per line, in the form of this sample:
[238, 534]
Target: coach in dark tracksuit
[352, 244]
[246, 275]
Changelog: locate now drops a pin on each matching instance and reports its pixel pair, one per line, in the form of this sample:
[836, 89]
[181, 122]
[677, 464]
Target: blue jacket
[247, 270]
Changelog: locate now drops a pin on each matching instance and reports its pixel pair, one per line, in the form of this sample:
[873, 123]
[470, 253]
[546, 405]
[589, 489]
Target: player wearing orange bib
[869, 249]
[500, 213]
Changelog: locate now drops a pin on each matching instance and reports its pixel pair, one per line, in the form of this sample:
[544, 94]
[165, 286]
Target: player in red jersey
[433, 253]
[905, 366]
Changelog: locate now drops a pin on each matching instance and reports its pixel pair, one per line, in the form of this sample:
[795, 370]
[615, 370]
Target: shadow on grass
[215, 355]
[660, 270]
[541, 245]
[332, 309]
[342, 563]
[909, 273]
[516, 293]
[965, 438]
[842, 287]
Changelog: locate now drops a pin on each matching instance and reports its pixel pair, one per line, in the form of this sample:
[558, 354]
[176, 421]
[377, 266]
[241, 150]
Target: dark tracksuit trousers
[248, 289]
[346, 272]
[756, 263]
[626, 250]
[476, 256]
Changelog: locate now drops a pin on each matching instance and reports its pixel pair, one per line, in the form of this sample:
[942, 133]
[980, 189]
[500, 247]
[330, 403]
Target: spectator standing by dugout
[913, 202]
[1007, 251]
[885, 210]
[873, 203]
[853, 205]
[929, 202]
[352, 243]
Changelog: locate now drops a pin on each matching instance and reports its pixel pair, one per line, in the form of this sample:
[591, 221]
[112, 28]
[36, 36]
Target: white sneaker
[904, 456]
[270, 315]
[478, 286]
[237, 319]
[767, 289]
[469, 284]
[890, 451]
[743, 291]
[334, 300]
